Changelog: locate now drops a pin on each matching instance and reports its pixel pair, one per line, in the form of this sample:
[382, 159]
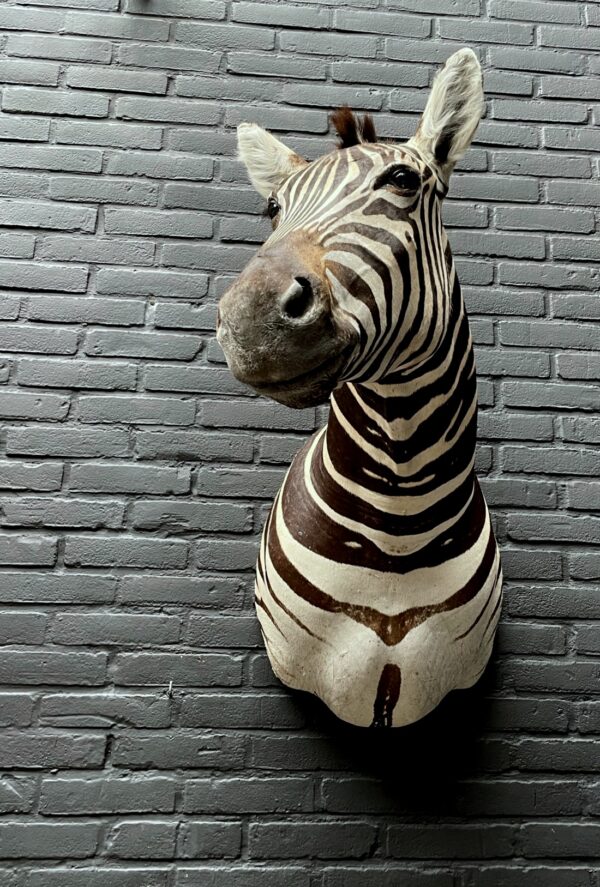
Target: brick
[527, 10]
[50, 101]
[47, 215]
[204, 670]
[47, 440]
[571, 139]
[543, 218]
[263, 65]
[39, 588]
[116, 80]
[124, 551]
[32, 667]
[487, 32]
[42, 276]
[24, 129]
[210, 839]
[39, 749]
[530, 874]
[16, 246]
[28, 72]
[175, 315]
[163, 165]
[114, 134]
[105, 629]
[96, 877]
[103, 190]
[541, 602]
[567, 88]
[189, 591]
[531, 640]
[243, 876]
[141, 410]
[107, 795]
[329, 44]
[206, 9]
[560, 112]
[239, 482]
[22, 628]
[51, 157]
[27, 551]
[37, 840]
[248, 795]
[140, 282]
[550, 395]
[113, 312]
[145, 839]
[224, 631]
[231, 710]
[165, 346]
[383, 877]
[159, 223]
[538, 163]
[68, 48]
[459, 842]
[193, 749]
[224, 37]
[381, 23]
[170, 57]
[543, 839]
[184, 517]
[116, 26]
[78, 374]
[193, 445]
[16, 710]
[99, 711]
[578, 366]
[544, 60]
[94, 477]
[323, 840]
[16, 794]
[39, 476]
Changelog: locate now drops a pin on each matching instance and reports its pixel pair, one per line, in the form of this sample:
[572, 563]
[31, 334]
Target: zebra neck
[411, 437]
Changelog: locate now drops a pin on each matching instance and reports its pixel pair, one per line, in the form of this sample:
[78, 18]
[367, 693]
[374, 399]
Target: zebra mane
[351, 129]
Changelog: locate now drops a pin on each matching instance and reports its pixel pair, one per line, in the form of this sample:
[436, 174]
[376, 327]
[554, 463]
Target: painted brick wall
[136, 473]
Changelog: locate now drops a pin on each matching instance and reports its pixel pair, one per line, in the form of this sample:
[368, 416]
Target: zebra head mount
[378, 581]
[307, 314]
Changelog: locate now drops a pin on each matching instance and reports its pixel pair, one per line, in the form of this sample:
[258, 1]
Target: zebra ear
[453, 111]
[268, 161]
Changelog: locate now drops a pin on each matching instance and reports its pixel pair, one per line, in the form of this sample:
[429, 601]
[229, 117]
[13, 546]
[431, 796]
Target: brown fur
[351, 129]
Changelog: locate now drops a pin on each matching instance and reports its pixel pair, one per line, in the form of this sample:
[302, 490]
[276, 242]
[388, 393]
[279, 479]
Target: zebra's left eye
[272, 207]
[403, 177]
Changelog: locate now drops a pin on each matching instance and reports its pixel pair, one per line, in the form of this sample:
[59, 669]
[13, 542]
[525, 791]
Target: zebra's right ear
[452, 113]
[268, 161]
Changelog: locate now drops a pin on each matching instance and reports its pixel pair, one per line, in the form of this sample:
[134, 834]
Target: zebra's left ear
[452, 113]
[268, 161]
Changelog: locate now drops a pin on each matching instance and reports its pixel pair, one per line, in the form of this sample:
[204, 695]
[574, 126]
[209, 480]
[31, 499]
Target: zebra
[378, 581]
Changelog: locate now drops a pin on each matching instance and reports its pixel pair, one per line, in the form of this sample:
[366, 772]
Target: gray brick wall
[143, 739]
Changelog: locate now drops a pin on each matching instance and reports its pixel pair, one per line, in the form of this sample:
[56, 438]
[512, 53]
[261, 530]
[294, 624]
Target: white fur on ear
[267, 160]
[453, 111]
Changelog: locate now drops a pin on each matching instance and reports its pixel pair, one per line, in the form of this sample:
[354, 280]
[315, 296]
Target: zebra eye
[404, 178]
[272, 207]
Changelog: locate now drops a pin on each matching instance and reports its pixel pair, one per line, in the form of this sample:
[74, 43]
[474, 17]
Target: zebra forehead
[354, 164]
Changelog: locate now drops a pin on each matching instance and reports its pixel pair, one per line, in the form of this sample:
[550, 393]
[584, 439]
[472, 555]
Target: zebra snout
[296, 302]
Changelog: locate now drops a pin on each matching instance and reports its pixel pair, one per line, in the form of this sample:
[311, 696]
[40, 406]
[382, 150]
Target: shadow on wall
[418, 767]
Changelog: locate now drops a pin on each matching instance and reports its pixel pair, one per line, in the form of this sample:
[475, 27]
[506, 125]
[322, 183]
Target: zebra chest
[369, 635]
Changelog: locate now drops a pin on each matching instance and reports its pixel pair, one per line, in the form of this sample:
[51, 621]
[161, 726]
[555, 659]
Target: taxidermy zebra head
[354, 283]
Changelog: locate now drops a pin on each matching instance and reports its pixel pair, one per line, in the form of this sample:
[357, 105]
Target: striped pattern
[378, 580]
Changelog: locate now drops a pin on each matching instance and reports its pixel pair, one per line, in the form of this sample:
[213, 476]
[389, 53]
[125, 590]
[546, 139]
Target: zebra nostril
[297, 300]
